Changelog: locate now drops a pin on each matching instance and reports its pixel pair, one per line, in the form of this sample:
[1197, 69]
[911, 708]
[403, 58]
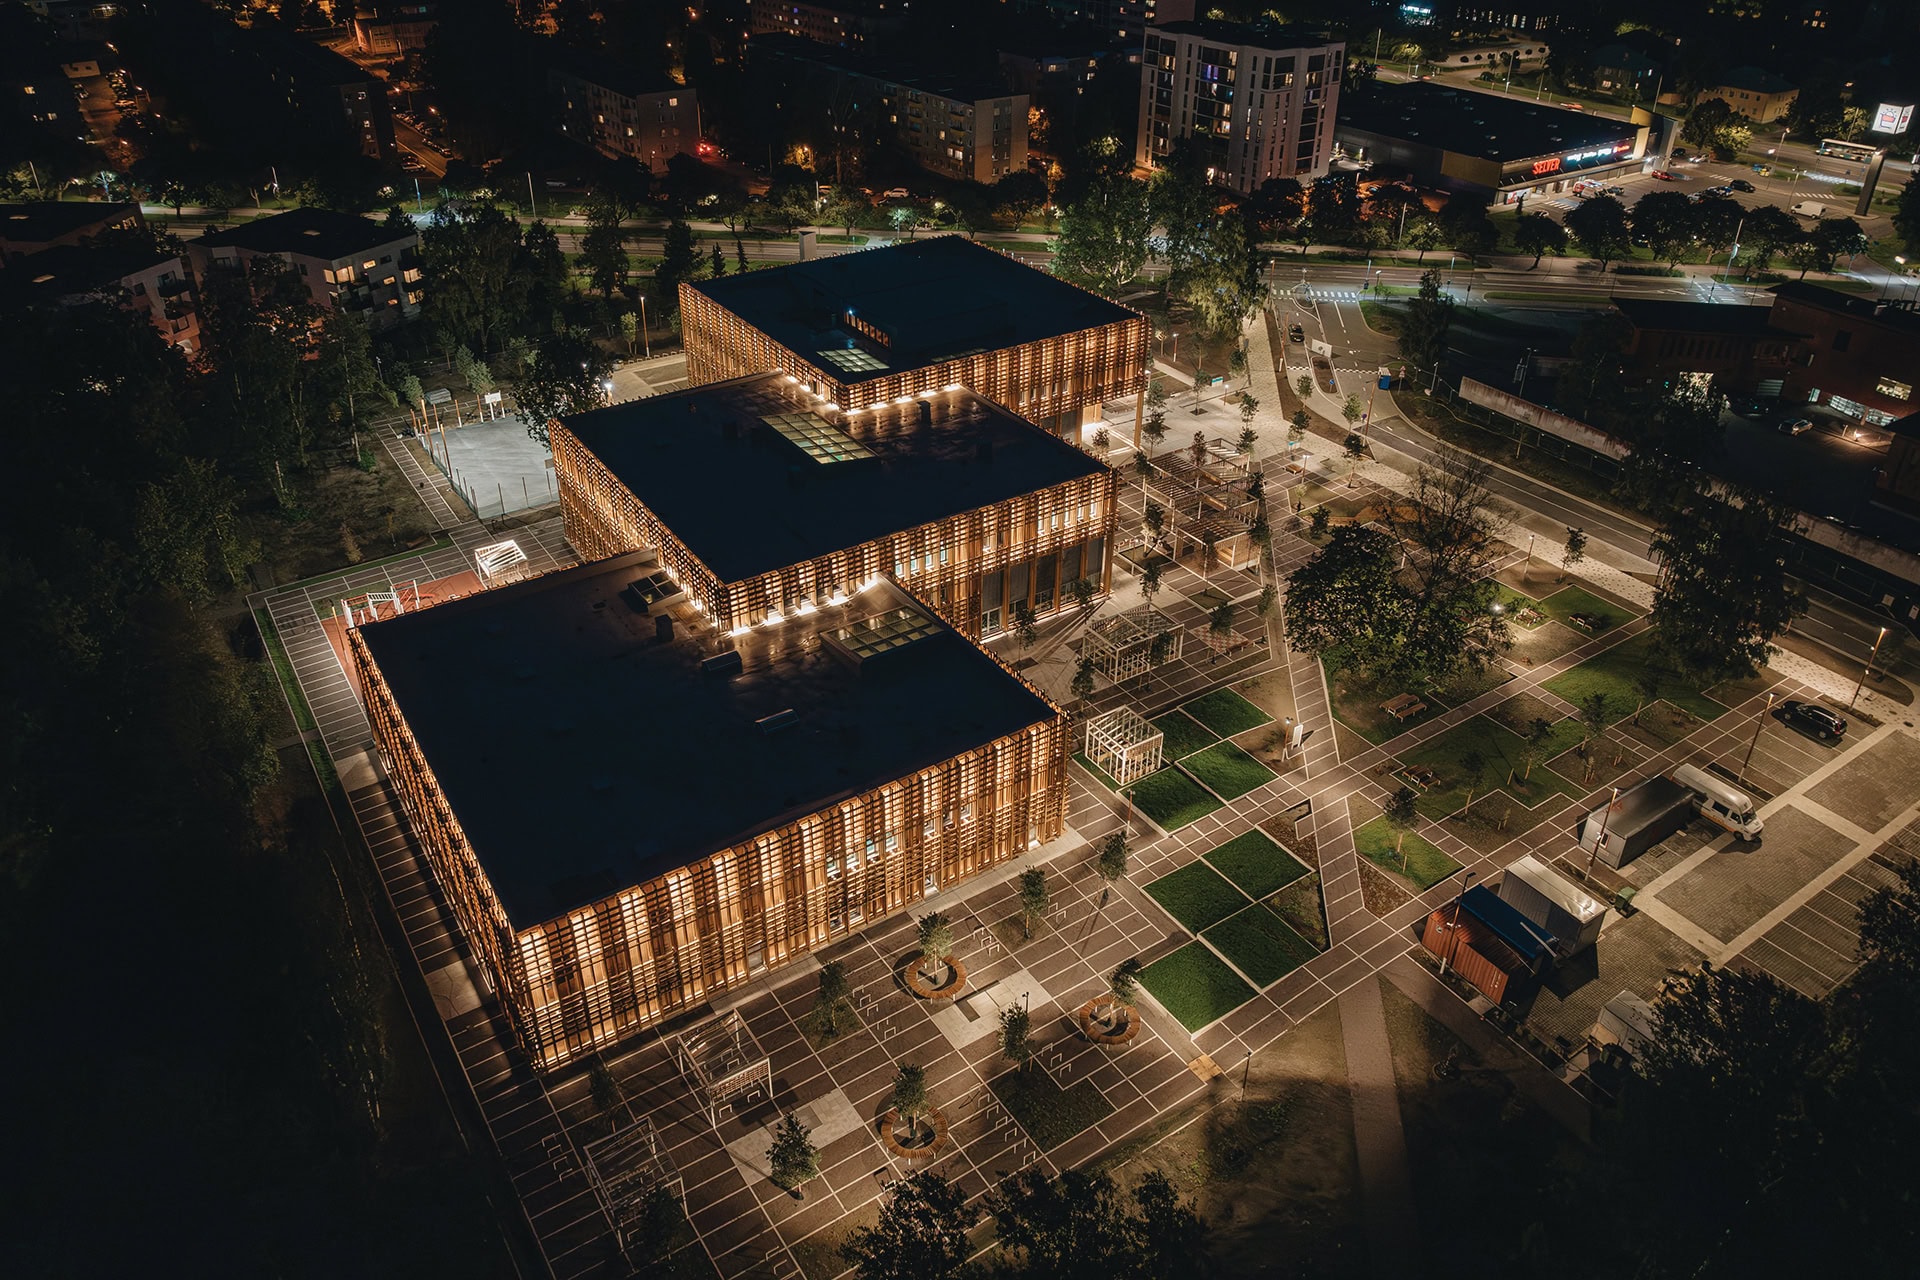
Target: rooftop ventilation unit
[779, 720]
[722, 664]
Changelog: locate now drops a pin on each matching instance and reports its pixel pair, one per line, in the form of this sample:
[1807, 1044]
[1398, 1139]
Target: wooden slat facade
[970, 567]
[1048, 382]
[625, 962]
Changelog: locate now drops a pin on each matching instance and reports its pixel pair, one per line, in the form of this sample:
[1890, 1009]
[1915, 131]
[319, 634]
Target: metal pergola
[625, 1168]
[1119, 646]
[1124, 745]
[724, 1064]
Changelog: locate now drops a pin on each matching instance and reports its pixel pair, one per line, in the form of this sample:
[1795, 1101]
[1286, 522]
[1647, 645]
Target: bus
[1857, 152]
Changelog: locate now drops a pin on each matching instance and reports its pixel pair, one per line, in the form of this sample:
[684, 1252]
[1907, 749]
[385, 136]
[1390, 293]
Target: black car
[1741, 184]
[1296, 334]
[1829, 726]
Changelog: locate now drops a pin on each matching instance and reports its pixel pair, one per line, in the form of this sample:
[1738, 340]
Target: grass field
[1256, 864]
[1303, 907]
[1225, 712]
[1228, 771]
[1195, 985]
[1564, 603]
[1613, 674]
[1172, 799]
[1184, 734]
[1197, 896]
[1502, 752]
[1048, 1113]
[1260, 944]
[1426, 866]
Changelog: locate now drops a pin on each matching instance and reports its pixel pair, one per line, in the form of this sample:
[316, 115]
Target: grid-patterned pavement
[540, 1123]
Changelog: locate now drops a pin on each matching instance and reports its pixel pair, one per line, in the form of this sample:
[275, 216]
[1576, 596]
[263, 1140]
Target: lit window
[1896, 390]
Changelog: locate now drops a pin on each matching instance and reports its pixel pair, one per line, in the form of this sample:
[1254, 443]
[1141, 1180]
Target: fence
[496, 468]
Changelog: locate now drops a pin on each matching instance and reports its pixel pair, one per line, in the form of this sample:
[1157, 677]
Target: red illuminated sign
[1546, 166]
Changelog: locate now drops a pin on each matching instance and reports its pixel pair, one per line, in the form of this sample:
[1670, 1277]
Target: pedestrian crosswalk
[1332, 295]
[1561, 202]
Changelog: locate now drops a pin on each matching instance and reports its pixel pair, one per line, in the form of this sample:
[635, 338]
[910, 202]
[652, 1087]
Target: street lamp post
[646, 341]
[1530, 538]
[1453, 934]
[1606, 819]
[1759, 724]
[1868, 669]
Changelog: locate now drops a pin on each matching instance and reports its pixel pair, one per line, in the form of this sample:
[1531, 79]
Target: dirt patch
[1275, 1175]
[1297, 837]
[1381, 892]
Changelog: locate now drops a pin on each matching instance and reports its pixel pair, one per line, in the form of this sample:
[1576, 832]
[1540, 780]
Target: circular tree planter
[1109, 1037]
[925, 990]
[928, 1138]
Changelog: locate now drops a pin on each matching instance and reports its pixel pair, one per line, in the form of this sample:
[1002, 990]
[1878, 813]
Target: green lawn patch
[1197, 896]
[1184, 734]
[1195, 985]
[1172, 799]
[1256, 864]
[1225, 712]
[1512, 603]
[1613, 672]
[1228, 771]
[1504, 753]
[1426, 866]
[283, 669]
[1564, 603]
[1260, 944]
[1048, 1113]
[1356, 704]
[1096, 771]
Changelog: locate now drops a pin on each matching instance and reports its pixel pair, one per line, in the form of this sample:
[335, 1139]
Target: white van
[1719, 803]
[1808, 209]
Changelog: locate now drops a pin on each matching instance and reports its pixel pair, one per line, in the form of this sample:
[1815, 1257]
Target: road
[1845, 628]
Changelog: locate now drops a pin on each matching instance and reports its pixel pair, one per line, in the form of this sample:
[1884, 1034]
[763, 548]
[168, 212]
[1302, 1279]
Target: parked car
[1764, 170]
[1661, 175]
[895, 193]
[1795, 426]
[1741, 184]
[1296, 334]
[1829, 726]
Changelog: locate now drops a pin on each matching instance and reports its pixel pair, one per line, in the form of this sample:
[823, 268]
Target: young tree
[1150, 582]
[1473, 771]
[1220, 621]
[1648, 680]
[1595, 716]
[1297, 427]
[679, 259]
[1425, 324]
[1574, 552]
[1424, 234]
[1112, 863]
[1209, 543]
[1602, 228]
[1539, 235]
[909, 1094]
[1355, 449]
[1352, 410]
[1402, 816]
[1082, 592]
[630, 331]
[1154, 520]
[1155, 427]
[922, 1233]
[792, 1155]
[1033, 899]
[1318, 522]
[1303, 387]
[1723, 591]
[936, 944]
[1532, 743]
[834, 991]
[1123, 984]
[1082, 686]
[1159, 651]
[1015, 1023]
[1249, 406]
[1025, 626]
[1269, 596]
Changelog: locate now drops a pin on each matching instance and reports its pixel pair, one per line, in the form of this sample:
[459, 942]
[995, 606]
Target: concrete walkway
[1386, 1183]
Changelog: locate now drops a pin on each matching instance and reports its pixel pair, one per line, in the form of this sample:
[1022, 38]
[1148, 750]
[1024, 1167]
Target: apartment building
[623, 113]
[346, 260]
[1258, 100]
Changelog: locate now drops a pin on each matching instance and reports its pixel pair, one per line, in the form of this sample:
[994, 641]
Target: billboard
[1892, 117]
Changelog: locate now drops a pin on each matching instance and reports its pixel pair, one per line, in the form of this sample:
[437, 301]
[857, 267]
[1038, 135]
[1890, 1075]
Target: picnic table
[1403, 705]
[1421, 776]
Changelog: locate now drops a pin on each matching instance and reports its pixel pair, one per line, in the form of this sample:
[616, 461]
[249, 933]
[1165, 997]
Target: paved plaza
[1838, 820]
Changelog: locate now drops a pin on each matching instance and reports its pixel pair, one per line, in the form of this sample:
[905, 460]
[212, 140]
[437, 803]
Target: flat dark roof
[1694, 317]
[1255, 35]
[311, 233]
[613, 74]
[958, 84]
[37, 222]
[936, 299]
[1475, 124]
[1901, 314]
[739, 470]
[68, 269]
[581, 756]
